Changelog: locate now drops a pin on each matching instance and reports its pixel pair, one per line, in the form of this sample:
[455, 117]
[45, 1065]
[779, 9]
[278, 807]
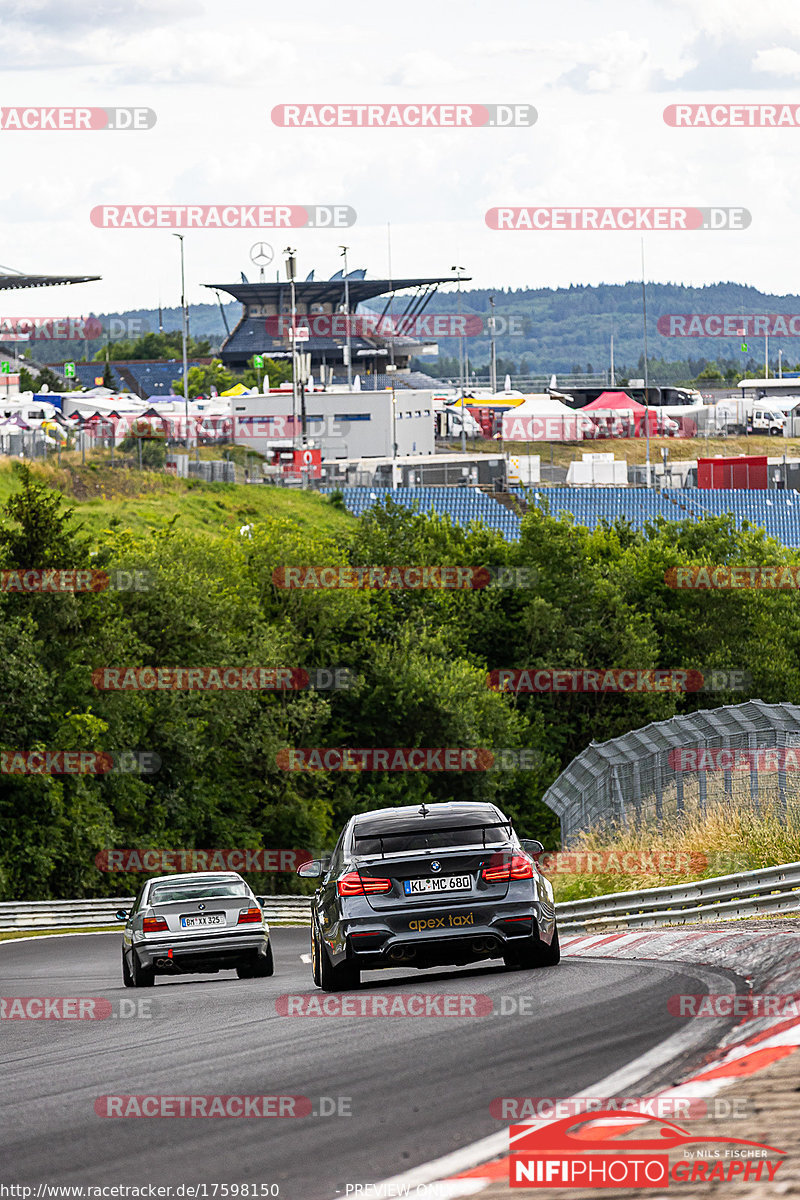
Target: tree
[203, 379]
[167, 346]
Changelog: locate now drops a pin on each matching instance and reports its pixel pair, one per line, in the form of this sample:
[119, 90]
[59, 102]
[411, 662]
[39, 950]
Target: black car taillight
[502, 868]
[353, 884]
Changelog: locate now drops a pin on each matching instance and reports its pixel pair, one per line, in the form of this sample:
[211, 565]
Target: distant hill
[541, 330]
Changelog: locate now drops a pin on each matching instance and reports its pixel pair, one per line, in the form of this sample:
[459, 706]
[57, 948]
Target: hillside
[106, 498]
[555, 329]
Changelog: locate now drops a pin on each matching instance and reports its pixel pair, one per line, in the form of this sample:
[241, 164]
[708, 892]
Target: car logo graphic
[436, 865]
[201, 906]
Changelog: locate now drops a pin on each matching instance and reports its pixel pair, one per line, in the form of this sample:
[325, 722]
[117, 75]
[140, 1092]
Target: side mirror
[121, 914]
[311, 869]
[532, 847]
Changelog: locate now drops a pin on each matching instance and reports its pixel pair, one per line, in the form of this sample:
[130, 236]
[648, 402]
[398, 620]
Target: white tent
[542, 418]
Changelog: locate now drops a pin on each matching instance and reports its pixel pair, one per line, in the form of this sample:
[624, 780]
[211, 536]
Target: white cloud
[779, 60]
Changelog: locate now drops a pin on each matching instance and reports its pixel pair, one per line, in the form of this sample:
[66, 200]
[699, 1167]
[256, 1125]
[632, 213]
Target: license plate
[448, 883]
[206, 919]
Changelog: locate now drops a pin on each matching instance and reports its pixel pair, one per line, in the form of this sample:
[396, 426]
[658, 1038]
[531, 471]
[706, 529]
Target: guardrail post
[752, 744]
[782, 772]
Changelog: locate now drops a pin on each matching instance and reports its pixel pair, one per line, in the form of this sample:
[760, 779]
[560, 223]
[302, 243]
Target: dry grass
[727, 837]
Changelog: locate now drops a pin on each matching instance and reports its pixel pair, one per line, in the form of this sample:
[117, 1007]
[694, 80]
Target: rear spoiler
[483, 826]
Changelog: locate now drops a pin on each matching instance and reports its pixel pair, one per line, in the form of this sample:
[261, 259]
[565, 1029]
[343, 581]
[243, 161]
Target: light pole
[492, 350]
[291, 269]
[646, 389]
[344, 250]
[183, 342]
[462, 382]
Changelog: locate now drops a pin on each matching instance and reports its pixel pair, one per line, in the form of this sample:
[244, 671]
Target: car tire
[141, 976]
[264, 964]
[127, 978]
[343, 978]
[534, 954]
[315, 956]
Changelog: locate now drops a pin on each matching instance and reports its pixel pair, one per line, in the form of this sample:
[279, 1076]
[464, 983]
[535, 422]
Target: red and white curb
[747, 1049]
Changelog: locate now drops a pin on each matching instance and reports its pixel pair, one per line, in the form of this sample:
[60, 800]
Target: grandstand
[778, 512]
[144, 379]
[265, 303]
[460, 503]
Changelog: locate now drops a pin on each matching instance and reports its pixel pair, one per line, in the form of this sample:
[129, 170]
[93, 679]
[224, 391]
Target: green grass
[148, 500]
[10, 934]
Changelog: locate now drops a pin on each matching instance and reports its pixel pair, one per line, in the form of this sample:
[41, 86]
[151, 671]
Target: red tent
[614, 403]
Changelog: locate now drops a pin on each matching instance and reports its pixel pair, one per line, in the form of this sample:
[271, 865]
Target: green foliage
[203, 379]
[165, 346]
[418, 659]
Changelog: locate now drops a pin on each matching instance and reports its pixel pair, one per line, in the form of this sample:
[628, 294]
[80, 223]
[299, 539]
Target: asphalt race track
[418, 1087]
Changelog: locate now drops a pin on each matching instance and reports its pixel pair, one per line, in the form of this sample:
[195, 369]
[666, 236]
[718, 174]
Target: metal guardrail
[98, 914]
[750, 893]
[768, 891]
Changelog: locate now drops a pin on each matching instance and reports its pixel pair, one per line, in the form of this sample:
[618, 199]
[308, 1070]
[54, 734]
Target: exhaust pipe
[164, 963]
[402, 953]
[484, 945]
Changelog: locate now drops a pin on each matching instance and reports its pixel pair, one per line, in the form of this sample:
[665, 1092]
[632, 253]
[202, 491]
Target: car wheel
[336, 979]
[264, 964]
[127, 978]
[315, 957]
[534, 954]
[141, 976]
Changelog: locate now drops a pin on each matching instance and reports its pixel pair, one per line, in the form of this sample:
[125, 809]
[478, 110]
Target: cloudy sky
[599, 72]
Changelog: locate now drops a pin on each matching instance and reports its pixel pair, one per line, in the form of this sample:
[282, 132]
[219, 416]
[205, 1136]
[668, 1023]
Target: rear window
[428, 838]
[163, 893]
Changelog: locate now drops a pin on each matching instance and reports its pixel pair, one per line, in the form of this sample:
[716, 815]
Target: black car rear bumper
[372, 944]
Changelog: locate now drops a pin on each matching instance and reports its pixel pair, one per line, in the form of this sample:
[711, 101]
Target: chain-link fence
[748, 754]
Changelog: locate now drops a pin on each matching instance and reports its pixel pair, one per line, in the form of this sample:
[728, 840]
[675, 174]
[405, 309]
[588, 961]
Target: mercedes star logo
[261, 254]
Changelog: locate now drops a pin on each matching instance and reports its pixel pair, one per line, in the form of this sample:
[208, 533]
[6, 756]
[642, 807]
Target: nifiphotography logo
[589, 1150]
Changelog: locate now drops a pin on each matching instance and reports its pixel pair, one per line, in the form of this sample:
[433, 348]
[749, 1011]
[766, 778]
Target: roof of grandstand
[11, 279]
[324, 291]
